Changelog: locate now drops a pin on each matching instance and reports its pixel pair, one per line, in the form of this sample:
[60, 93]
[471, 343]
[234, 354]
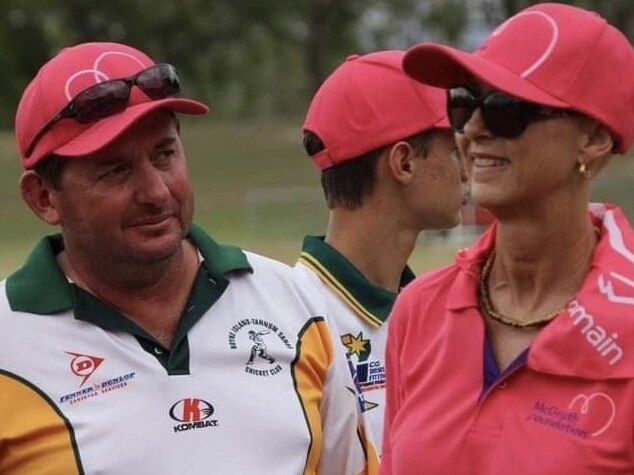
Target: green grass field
[255, 188]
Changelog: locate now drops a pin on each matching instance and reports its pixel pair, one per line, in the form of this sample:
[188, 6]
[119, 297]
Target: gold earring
[584, 170]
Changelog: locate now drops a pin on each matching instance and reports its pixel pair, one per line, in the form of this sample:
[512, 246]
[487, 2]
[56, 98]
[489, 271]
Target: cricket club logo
[368, 373]
[260, 340]
[259, 347]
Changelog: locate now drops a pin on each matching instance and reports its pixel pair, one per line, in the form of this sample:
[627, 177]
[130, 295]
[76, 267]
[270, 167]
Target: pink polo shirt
[566, 408]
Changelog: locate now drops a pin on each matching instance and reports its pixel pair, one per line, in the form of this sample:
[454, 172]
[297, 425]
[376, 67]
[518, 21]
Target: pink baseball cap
[369, 102]
[70, 72]
[551, 54]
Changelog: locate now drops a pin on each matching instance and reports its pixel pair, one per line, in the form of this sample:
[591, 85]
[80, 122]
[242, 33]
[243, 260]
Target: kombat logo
[367, 373]
[192, 413]
[257, 334]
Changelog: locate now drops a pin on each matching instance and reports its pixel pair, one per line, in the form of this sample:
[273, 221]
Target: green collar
[40, 286]
[370, 302]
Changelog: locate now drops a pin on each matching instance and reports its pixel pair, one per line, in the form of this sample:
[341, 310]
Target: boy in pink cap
[518, 357]
[385, 151]
[127, 339]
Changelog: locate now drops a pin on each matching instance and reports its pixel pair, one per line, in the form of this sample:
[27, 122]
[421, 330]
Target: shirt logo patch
[368, 373]
[545, 24]
[94, 75]
[599, 409]
[192, 413]
[84, 366]
[259, 339]
[587, 415]
[624, 293]
[604, 342]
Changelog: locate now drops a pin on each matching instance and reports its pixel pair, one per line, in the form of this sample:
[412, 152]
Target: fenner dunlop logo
[258, 339]
[192, 413]
[84, 366]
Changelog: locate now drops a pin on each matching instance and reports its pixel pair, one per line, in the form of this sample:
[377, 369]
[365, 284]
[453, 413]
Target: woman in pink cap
[519, 357]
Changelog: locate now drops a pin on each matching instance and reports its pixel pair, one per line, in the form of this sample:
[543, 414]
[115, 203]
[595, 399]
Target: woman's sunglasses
[503, 115]
[111, 97]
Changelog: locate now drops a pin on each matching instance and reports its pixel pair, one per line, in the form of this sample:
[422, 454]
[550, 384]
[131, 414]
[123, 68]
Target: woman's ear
[40, 196]
[597, 142]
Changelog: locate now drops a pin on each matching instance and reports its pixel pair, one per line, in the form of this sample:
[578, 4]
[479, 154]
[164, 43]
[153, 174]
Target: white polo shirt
[359, 312]
[249, 385]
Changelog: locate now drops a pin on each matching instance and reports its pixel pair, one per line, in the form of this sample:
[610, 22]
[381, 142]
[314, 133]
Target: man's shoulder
[306, 276]
[4, 301]
[313, 288]
[274, 277]
[39, 286]
[226, 258]
[267, 271]
[265, 263]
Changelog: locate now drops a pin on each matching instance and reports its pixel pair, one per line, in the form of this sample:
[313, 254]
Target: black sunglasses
[503, 115]
[111, 97]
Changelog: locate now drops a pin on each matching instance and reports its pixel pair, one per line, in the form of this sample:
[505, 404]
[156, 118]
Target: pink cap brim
[445, 67]
[103, 132]
[443, 123]
[323, 160]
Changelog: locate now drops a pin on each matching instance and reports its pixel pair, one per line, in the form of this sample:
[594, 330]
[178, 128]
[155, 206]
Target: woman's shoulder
[433, 280]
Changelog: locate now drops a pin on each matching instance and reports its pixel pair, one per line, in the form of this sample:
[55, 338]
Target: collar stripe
[335, 285]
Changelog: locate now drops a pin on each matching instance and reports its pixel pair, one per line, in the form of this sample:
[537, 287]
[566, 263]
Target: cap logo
[98, 75]
[554, 28]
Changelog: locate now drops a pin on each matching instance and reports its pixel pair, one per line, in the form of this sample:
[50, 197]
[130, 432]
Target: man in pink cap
[125, 345]
[518, 358]
[385, 151]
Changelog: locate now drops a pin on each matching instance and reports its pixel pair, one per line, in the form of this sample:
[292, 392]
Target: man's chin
[155, 250]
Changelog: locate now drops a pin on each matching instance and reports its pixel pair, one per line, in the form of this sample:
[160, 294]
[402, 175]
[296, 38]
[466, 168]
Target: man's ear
[401, 161]
[40, 196]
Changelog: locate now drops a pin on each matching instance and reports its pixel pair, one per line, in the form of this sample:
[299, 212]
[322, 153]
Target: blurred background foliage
[257, 62]
[249, 58]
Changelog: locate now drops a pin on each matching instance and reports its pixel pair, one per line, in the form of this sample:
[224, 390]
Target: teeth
[489, 162]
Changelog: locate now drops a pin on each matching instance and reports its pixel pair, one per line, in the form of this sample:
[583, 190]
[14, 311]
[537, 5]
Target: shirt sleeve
[347, 450]
[337, 443]
[322, 369]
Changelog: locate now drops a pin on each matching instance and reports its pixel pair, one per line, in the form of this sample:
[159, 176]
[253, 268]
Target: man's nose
[151, 185]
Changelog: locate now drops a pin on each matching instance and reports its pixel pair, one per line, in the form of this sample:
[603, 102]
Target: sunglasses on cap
[503, 115]
[111, 97]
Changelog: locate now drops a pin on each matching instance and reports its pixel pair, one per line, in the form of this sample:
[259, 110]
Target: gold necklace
[487, 307]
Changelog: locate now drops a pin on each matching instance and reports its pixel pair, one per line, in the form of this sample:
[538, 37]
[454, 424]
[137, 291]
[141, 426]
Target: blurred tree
[248, 58]
[337, 28]
[222, 48]
[326, 29]
[447, 19]
[233, 54]
[24, 44]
